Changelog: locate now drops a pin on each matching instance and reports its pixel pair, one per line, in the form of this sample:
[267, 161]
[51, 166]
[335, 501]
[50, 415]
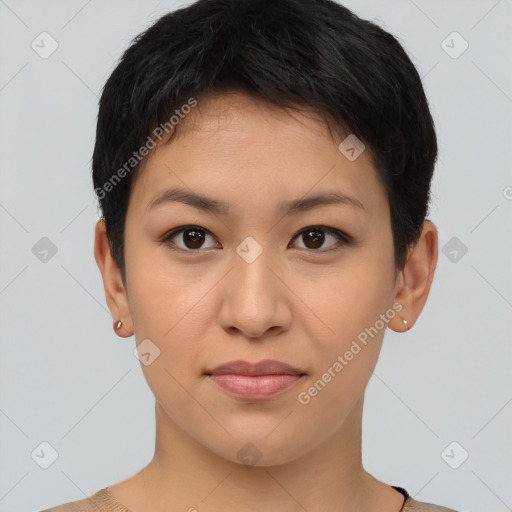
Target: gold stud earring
[117, 325]
[406, 323]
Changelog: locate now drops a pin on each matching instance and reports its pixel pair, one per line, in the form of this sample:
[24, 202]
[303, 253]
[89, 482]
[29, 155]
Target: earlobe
[115, 292]
[119, 329]
[416, 278]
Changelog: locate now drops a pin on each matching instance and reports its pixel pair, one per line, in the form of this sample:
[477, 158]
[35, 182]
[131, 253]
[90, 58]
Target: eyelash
[343, 237]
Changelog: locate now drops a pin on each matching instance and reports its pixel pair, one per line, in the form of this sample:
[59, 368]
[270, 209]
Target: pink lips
[254, 381]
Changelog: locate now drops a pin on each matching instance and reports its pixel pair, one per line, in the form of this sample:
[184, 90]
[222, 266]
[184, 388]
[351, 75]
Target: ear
[115, 289]
[414, 281]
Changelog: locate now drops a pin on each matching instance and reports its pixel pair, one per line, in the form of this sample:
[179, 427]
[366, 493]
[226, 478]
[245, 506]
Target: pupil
[194, 241]
[314, 238]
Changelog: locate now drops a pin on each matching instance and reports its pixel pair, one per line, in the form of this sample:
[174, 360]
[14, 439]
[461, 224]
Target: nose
[256, 301]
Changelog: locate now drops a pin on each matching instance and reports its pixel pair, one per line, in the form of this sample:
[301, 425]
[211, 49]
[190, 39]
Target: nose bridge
[253, 299]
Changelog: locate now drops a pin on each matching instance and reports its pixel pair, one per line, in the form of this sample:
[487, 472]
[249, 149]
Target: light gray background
[69, 380]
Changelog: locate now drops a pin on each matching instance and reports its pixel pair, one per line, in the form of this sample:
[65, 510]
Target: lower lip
[258, 387]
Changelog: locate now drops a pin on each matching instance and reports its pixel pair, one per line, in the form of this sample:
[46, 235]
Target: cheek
[348, 325]
[170, 310]
[168, 306]
[160, 292]
[345, 356]
[171, 313]
[349, 300]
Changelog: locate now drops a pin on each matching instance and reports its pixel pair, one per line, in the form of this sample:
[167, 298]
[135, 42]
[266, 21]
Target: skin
[294, 303]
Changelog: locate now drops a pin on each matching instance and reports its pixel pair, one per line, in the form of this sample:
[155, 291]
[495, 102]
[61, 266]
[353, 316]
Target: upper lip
[267, 367]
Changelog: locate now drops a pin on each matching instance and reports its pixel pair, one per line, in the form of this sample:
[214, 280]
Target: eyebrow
[208, 204]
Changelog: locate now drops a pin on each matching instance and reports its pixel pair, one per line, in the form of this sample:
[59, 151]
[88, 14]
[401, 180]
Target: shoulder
[101, 501]
[95, 503]
[412, 505]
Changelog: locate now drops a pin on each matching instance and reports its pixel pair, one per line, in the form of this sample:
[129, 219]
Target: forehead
[239, 149]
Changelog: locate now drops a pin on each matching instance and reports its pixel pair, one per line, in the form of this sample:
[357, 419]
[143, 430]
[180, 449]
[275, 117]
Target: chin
[253, 447]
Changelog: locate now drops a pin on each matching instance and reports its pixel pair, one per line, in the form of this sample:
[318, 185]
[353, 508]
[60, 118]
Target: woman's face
[253, 281]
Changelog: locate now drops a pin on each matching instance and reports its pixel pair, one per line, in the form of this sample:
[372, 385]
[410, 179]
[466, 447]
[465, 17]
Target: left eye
[315, 237]
[193, 238]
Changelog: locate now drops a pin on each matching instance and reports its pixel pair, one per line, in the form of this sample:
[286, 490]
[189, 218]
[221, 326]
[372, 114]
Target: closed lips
[267, 367]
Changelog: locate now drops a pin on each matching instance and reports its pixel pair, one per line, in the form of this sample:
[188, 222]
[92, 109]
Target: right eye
[192, 238]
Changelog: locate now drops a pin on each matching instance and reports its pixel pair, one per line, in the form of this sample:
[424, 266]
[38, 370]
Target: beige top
[103, 501]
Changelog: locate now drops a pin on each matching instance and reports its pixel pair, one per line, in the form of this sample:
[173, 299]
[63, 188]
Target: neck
[187, 475]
